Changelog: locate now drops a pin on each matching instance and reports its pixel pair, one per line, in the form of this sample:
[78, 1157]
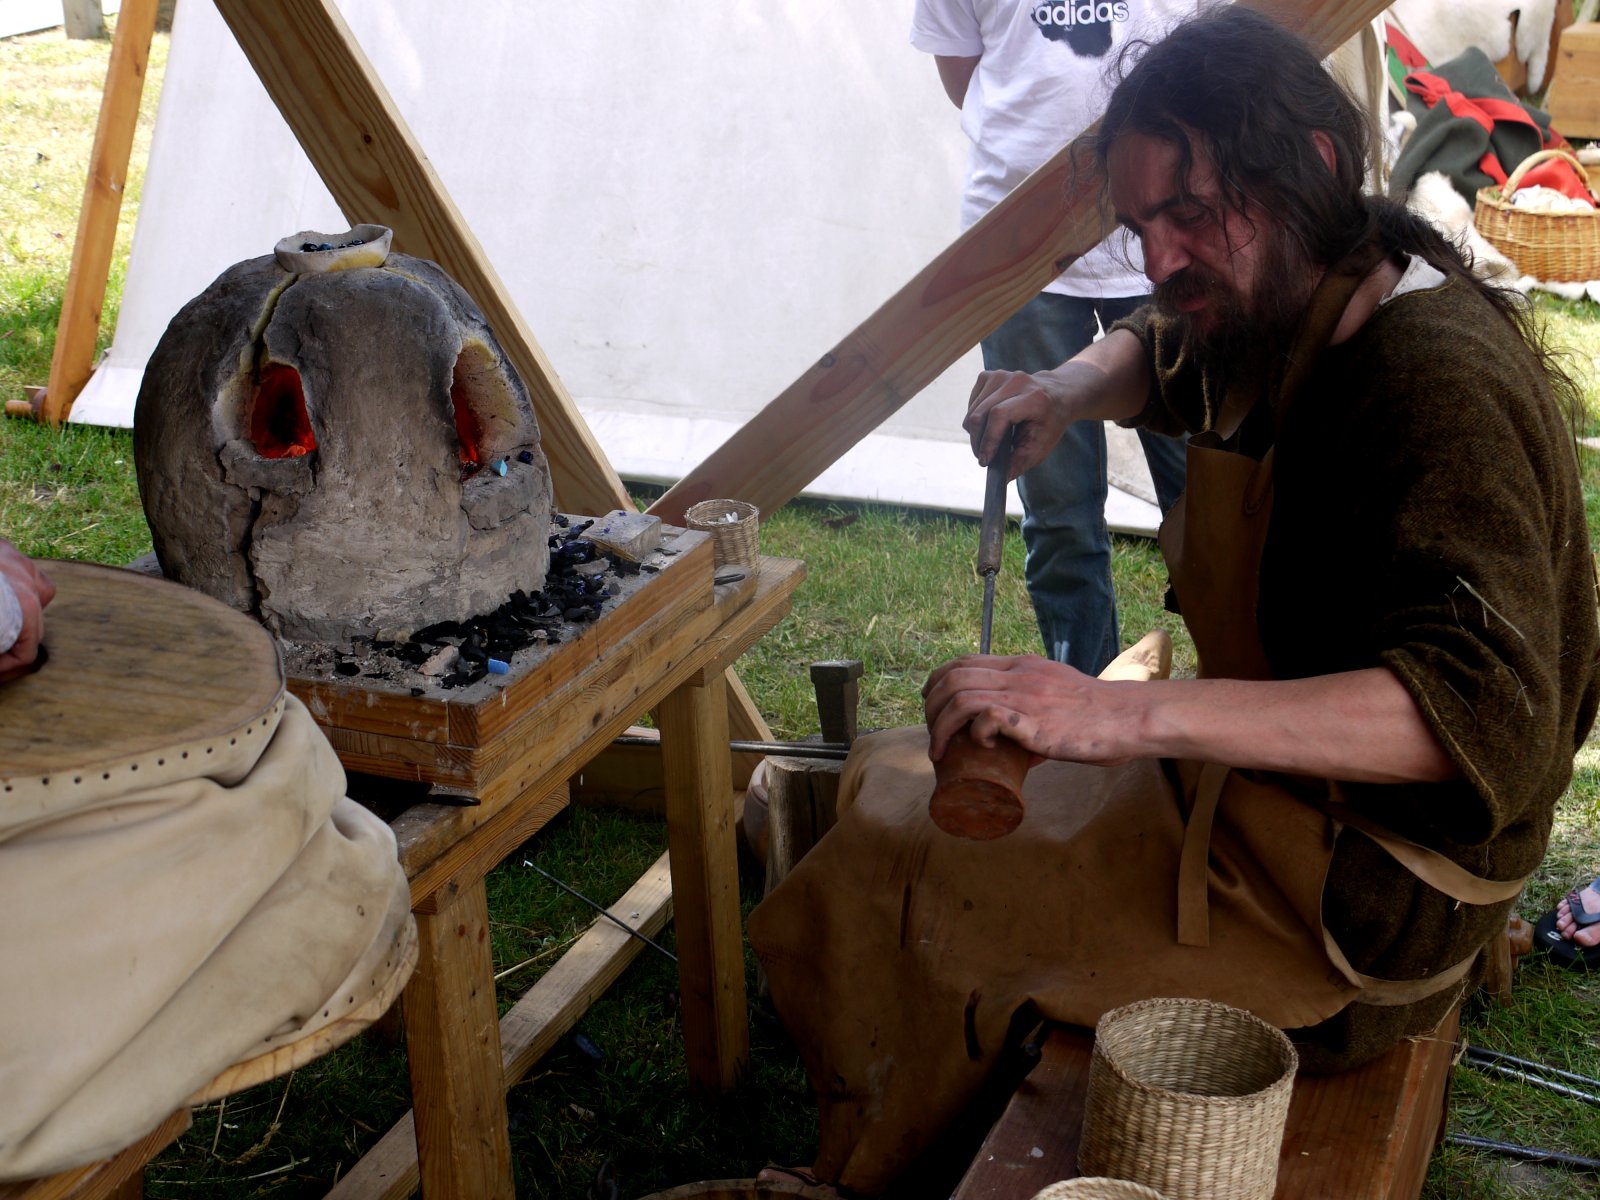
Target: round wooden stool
[143, 675]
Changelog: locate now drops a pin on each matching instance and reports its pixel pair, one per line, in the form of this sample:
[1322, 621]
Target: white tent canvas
[689, 204]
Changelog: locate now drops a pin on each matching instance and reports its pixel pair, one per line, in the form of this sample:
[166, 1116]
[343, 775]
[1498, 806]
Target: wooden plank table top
[1366, 1134]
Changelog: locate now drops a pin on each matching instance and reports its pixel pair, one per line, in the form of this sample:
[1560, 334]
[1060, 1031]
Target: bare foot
[1589, 900]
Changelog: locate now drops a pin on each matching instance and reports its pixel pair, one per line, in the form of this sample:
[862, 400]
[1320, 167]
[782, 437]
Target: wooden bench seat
[1365, 1135]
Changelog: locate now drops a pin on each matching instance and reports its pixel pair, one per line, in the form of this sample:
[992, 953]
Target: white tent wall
[689, 204]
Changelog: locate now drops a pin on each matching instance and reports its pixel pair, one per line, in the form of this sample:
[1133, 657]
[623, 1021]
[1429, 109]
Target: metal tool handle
[991, 535]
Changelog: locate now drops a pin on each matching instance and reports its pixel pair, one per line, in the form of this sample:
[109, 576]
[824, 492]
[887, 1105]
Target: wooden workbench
[1364, 1135]
[511, 743]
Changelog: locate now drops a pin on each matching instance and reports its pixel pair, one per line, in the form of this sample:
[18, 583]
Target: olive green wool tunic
[1427, 518]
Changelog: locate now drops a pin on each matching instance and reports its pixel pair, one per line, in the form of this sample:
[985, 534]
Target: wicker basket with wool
[1188, 1097]
[1552, 247]
[734, 526]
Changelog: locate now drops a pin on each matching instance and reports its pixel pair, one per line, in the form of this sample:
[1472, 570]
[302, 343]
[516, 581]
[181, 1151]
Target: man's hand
[1048, 707]
[1026, 408]
[32, 590]
[1107, 381]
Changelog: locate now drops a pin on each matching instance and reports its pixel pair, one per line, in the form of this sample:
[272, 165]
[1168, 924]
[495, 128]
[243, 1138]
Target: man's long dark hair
[1251, 94]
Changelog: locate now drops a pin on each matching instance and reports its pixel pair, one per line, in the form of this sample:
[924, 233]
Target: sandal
[1581, 916]
[1563, 951]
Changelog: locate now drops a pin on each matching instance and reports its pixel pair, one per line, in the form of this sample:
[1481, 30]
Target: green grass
[892, 587]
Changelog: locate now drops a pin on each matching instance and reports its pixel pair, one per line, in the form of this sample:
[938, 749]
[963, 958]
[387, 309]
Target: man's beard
[1233, 327]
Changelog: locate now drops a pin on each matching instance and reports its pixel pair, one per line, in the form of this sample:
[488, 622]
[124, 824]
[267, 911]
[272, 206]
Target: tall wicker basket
[1552, 247]
[1188, 1097]
[1098, 1188]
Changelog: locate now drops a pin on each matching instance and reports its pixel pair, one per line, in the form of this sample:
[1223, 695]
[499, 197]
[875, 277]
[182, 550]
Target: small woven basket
[732, 541]
[1098, 1189]
[1552, 247]
[1188, 1097]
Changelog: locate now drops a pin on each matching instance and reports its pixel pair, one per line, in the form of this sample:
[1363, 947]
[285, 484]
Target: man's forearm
[1360, 726]
[1108, 380]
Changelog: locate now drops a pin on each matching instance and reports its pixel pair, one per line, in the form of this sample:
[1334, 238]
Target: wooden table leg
[705, 882]
[453, 1044]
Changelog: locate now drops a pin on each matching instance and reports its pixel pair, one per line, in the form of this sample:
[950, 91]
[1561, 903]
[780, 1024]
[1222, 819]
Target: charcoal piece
[347, 668]
[438, 631]
[571, 554]
[418, 691]
[585, 1046]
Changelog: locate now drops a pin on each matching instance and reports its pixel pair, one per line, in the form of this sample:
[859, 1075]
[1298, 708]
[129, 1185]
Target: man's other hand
[1048, 707]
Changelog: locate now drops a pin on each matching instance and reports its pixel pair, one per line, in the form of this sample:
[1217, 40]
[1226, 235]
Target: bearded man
[1383, 559]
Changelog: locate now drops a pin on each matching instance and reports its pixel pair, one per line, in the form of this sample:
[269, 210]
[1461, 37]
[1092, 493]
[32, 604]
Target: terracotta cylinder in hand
[977, 790]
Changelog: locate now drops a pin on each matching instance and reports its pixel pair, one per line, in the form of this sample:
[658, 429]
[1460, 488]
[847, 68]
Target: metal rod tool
[977, 790]
[1538, 1074]
[1526, 1153]
[992, 534]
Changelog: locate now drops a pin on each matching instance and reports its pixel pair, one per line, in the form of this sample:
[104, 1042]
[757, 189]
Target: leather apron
[1212, 541]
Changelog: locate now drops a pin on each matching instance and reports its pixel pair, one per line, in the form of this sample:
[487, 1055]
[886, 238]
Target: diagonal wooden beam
[350, 129]
[989, 272]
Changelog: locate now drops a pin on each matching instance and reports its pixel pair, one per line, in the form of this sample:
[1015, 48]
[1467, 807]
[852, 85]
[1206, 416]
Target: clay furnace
[330, 437]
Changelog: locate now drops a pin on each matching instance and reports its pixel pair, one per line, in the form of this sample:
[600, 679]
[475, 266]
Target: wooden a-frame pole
[72, 360]
[989, 272]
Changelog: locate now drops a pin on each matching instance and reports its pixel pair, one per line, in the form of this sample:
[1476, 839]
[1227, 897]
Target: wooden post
[83, 18]
[705, 883]
[984, 276]
[453, 1045]
[72, 361]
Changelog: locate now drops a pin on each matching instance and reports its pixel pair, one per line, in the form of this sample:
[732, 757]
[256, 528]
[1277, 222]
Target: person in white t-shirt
[1028, 78]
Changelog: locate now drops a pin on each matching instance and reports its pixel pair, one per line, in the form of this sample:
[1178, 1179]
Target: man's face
[1234, 277]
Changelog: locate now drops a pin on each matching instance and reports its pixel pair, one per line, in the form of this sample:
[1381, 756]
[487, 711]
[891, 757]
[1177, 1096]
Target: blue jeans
[1064, 498]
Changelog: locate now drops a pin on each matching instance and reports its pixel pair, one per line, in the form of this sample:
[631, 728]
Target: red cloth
[1486, 111]
[1554, 173]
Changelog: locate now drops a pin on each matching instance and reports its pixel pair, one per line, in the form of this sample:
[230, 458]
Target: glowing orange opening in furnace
[467, 430]
[279, 424]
